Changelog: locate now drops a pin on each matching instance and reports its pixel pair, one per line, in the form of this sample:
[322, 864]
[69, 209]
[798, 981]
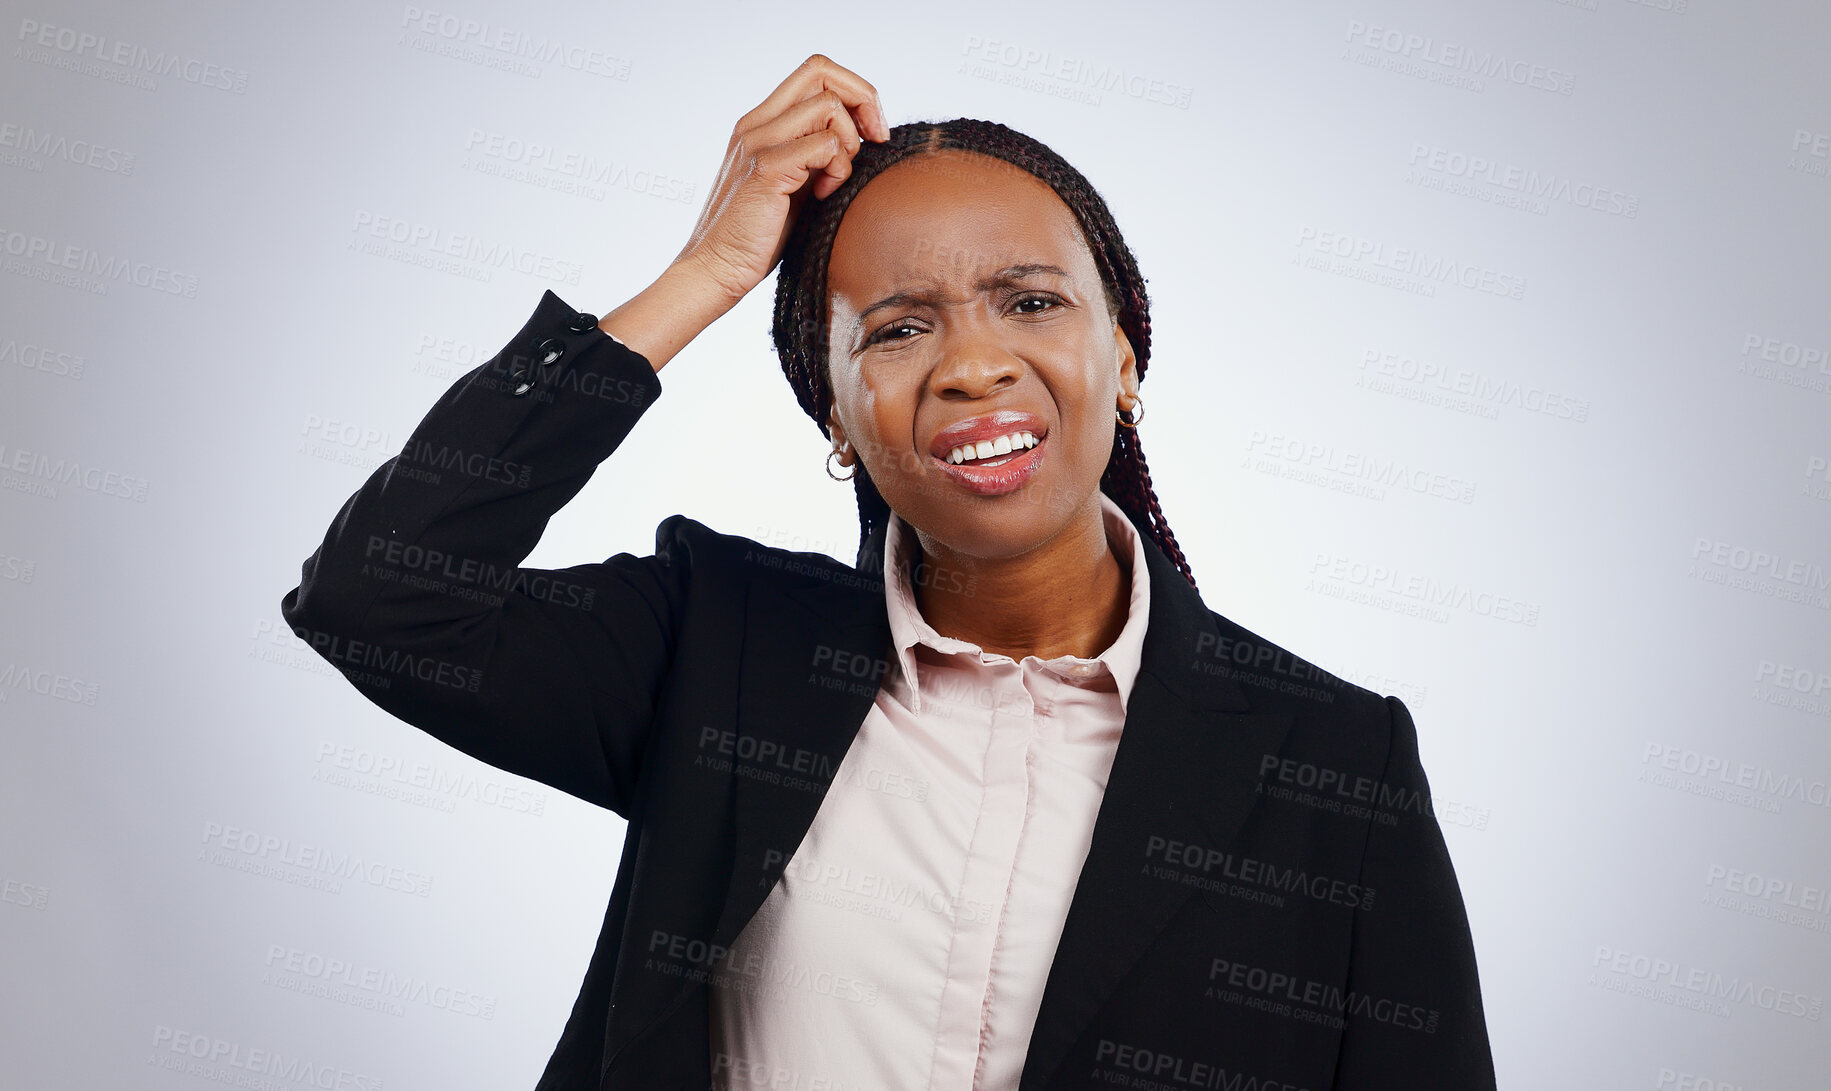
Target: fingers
[816, 74]
[824, 112]
[806, 131]
[791, 162]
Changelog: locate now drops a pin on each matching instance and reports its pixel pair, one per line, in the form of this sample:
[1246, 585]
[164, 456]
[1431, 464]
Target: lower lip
[1007, 476]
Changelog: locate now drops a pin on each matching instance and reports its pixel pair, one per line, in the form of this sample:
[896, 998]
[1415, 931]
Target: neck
[1069, 596]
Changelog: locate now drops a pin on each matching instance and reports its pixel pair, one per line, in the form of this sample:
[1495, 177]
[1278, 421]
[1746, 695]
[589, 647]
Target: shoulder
[1338, 728]
[725, 558]
[1277, 678]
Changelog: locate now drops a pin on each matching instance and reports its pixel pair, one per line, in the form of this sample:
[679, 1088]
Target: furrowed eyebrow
[992, 280]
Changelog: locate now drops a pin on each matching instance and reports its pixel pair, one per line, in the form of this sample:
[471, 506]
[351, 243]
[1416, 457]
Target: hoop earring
[829, 467]
[1137, 411]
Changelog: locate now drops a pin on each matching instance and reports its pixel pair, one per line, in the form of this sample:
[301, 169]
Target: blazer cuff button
[583, 321]
[551, 349]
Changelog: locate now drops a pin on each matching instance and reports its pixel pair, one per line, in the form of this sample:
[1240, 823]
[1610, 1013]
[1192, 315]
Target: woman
[1005, 805]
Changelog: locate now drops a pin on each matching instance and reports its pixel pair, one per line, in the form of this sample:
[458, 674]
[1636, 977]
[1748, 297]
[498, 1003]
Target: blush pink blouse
[910, 937]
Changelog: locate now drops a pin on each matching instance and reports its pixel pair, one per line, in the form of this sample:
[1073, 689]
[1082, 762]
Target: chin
[1004, 533]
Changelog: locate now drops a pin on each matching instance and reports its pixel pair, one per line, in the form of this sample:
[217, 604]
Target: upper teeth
[986, 448]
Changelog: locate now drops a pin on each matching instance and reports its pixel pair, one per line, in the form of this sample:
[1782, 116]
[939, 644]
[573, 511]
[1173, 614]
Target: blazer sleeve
[1414, 1015]
[417, 595]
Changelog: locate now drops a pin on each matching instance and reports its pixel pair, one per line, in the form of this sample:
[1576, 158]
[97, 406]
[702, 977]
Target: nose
[974, 360]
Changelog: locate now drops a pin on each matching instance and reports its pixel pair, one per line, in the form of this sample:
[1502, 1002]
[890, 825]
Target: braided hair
[800, 325]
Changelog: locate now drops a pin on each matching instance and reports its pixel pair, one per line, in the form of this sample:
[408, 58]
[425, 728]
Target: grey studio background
[1492, 369]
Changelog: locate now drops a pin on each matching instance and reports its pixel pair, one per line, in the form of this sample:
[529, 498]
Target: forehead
[946, 217]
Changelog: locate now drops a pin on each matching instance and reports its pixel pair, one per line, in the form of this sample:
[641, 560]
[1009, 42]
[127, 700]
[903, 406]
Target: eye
[884, 333]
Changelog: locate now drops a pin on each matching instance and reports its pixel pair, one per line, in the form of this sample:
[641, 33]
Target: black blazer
[1267, 903]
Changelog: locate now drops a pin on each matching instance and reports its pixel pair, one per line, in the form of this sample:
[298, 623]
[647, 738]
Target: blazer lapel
[1186, 766]
[812, 661]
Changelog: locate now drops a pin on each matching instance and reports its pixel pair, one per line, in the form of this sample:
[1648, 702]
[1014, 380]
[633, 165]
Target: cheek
[879, 427]
[1098, 445]
[896, 447]
[1094, 410]
[853, 404]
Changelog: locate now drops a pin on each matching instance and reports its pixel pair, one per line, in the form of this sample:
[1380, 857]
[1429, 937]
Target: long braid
[799, 328]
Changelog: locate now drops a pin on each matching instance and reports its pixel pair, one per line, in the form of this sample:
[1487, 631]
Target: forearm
[471, 491]
[1416, 1017]
[662, 318]
[417, 595]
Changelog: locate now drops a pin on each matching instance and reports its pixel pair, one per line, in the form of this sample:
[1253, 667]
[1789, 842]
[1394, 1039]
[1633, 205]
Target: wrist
[665, 316]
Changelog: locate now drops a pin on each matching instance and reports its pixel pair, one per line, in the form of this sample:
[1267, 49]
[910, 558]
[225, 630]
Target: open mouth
[993, 451]
[998, 471]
